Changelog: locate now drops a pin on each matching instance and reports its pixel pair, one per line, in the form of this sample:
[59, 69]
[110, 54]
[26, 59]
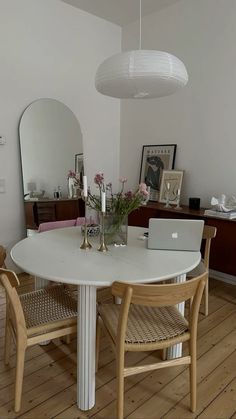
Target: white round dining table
[55, 255]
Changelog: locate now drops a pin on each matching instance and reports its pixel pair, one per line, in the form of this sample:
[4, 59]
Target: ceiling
[120, 12]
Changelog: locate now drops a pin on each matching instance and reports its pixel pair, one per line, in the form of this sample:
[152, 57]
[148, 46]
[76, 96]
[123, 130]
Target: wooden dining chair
[147, 320]
[209, 232]
[2, 257]
[53, 225]
[48, 313]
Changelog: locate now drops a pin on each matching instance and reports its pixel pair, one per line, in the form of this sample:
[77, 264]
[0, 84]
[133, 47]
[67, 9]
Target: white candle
[168, 186]
[85, 183]
[178, 192]
[103, 201]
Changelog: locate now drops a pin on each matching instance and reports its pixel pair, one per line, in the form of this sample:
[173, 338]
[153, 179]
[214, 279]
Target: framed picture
[155, 159]
[79, 166]
[171, 183]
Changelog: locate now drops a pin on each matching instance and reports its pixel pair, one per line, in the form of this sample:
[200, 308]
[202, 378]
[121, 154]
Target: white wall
[50, 49]
[200, 118]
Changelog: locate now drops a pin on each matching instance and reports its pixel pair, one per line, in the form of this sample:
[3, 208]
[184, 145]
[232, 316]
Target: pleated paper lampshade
[141, 74]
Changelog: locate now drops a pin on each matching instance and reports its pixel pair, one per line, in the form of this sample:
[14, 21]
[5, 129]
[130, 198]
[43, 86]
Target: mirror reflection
[50, 142]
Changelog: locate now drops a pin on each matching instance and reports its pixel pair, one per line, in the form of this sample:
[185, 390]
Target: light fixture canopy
[140, 74]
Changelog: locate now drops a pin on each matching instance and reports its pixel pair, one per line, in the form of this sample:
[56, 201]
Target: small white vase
[70, 187]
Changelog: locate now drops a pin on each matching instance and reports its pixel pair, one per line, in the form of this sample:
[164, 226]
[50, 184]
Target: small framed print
[155, 159]
[171, 183]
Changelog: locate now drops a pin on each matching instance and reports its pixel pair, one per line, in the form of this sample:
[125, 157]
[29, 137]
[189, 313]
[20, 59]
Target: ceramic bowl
[92, 229]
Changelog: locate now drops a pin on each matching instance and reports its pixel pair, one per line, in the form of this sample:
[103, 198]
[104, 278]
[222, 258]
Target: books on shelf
[230, 215]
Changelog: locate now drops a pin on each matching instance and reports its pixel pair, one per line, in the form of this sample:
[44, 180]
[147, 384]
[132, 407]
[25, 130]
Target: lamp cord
[140, 24]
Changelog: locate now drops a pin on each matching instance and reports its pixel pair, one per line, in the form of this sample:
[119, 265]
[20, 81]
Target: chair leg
[7, 346]
[206, 296]
[193, 377]
[20, 361]
[66, 339]
[98, 337]
[164, 354]
[120, 385]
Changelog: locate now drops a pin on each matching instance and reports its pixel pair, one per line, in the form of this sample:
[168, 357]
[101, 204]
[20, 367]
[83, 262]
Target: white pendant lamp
[141, 74]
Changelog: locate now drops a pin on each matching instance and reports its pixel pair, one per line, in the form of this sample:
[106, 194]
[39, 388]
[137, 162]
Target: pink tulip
[143, 189]
[99, 178]
[129, 195]
[71, 174]
[123, 179]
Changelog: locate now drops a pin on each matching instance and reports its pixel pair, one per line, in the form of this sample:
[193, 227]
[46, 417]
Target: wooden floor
[49, 388]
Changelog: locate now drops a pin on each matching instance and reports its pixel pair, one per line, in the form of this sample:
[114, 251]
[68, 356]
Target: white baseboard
[221, 276]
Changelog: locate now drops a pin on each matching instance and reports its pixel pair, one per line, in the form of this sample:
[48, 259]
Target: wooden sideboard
[222, 257]
[42, 211]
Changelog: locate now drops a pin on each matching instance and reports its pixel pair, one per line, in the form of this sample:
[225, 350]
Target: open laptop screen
[175, 234]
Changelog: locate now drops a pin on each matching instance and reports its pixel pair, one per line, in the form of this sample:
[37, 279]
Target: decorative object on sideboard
[146, 199]
[155, 159]
[167, 195]
[222, 207]
[37, 194]
[178, 206]
[223, 203]
[140, 74]
[171, 183]
[32, 192]
[194, 203]
[74, 184]
[57, 194]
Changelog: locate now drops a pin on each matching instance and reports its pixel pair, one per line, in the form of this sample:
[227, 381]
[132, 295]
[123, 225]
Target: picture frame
[171, 183]
[155, 159]
[79, 166]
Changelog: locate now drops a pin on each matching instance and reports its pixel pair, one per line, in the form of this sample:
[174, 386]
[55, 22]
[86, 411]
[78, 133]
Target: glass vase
[70, 187]
[116, 229]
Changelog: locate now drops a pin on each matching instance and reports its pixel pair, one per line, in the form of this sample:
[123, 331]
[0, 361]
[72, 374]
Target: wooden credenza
[42, 211]
[223, 247]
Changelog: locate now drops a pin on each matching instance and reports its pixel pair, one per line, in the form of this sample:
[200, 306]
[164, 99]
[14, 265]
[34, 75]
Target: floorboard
[49, 388]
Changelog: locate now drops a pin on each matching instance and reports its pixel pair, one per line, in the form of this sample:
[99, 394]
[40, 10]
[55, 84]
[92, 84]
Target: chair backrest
[160, 295]
[52, 225]
[2, 257]
[80, 221]
[209, 232]
[15, 312]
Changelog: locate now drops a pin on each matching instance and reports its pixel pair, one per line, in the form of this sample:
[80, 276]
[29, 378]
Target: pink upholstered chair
[51, 225]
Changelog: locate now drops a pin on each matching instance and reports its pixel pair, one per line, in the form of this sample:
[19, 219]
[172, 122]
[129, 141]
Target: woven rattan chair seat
[48, 305]
[145, 324]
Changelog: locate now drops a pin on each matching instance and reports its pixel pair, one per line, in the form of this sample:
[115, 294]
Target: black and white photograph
[155, 159]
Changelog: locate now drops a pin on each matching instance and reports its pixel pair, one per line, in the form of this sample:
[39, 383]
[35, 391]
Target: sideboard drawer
[46, 212]
[37, 212]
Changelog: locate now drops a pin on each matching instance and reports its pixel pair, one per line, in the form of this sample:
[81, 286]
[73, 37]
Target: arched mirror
[51, 145]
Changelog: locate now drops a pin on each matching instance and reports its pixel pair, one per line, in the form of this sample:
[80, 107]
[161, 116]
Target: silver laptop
[175, 234]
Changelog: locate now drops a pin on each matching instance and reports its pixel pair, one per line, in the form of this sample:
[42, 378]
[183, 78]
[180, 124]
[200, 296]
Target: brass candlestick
[178, 207]
[167, 194]
[102, 247]
[85, 245]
